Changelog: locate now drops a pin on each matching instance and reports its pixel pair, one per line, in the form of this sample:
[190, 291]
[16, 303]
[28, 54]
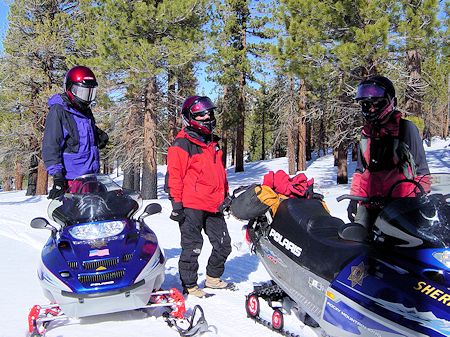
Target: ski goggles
[376, 103]
[84, 93]
[202, 106]
[370, 90]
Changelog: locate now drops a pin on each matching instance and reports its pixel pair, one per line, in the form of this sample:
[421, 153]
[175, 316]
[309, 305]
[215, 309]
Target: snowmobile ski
[40, 317]
[194, 329]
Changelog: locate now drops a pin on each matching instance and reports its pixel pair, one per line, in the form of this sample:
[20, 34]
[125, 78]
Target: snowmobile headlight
[97, 230]
[443, 257]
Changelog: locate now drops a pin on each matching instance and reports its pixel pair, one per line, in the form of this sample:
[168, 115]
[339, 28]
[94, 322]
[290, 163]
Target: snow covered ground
[21, 246]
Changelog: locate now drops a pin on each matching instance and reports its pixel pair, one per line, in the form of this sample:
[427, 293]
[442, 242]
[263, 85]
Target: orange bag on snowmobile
[254, 200]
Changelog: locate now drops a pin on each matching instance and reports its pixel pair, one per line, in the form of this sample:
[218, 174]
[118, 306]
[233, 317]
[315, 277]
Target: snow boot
[217, 283]
[196, 291]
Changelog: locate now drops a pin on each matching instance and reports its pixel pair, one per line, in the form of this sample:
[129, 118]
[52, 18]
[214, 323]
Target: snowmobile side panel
[304, 287]
[345, 318]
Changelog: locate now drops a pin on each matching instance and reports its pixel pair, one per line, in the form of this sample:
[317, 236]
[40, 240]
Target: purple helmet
[195, 106]
[376, 95]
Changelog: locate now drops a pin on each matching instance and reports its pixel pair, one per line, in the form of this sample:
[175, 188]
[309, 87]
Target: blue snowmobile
[390, 281]
[101, 259]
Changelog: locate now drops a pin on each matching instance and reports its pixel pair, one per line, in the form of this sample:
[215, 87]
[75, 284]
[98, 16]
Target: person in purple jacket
[71, 142]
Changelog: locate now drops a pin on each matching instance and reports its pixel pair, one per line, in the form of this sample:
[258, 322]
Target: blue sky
[4, 8]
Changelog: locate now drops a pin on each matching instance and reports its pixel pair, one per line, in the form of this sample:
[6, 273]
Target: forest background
[285, 73]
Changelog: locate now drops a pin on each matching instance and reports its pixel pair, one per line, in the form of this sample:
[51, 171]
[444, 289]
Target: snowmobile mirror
[42, 223]
[151, 209]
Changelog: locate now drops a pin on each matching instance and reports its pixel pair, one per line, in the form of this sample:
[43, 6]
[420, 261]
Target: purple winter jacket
[70, 144]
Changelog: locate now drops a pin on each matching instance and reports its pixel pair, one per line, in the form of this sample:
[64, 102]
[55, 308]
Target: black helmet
[195, 106]
[80, 85]
[376, 95]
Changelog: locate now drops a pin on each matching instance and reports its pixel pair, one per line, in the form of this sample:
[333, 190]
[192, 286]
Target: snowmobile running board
[40, 316]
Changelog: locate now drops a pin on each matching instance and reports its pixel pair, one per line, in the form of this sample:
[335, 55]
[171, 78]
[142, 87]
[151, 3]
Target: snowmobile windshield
[91, 198]
[425, 216]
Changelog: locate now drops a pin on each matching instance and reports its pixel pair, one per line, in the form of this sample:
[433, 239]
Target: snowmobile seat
[307, 224]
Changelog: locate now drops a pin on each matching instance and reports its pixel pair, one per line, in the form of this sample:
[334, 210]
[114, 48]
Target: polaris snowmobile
[100, 259]
[391, 281]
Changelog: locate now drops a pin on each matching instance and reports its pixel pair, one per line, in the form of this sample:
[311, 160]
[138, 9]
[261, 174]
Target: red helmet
[376, 95]
[195, 106]
[80, 86]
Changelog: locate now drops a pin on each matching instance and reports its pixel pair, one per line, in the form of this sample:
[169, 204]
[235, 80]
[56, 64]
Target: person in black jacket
[71, 140]
[390, 149]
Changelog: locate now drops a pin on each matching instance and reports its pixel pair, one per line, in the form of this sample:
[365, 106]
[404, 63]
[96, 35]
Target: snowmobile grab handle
[352, 197]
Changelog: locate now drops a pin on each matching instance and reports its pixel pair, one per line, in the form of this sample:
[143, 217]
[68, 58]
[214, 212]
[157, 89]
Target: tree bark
[149, 168]
[342, 177]
[414, 94]
[18, 180]
[301, 152]
[42, 179]
[32, 175]
[172, 111]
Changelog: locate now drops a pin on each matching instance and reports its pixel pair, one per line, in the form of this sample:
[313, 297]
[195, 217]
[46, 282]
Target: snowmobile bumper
[103, 302]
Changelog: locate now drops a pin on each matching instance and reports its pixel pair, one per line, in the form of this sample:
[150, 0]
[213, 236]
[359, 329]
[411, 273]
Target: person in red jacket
[390, 150]
[197, 185]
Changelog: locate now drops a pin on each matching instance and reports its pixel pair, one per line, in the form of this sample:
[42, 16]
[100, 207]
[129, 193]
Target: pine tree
[36, 45]
[137, 42]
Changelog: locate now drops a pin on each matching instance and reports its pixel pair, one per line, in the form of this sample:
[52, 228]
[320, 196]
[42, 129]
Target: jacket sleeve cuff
[177, 205]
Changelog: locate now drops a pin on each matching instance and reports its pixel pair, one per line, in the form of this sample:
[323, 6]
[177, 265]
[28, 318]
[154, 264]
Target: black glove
[59, 186]
[177, 215]
[103, 138]
[351, 210]
[226, 204]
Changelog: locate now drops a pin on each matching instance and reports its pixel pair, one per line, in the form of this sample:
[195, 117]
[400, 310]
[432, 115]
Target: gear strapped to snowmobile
[392, 282]
[101, 259]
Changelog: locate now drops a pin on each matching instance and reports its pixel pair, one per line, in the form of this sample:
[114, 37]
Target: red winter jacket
[195, 175]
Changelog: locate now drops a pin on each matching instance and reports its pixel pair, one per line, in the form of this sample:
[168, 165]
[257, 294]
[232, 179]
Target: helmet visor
[370, 90]
[200, 106]
[84, 93]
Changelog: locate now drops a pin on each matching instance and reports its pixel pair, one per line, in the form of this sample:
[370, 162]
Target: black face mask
[375, 104]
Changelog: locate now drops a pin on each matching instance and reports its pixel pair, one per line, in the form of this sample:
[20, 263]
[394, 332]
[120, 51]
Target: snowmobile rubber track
[270, 292]
[267, 324]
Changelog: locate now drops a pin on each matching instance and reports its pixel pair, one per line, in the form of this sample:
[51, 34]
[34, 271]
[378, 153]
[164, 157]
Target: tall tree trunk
[263, 130]
[172, 111]
[342, 177]
[18, 176]
[291, 132]
[240, 129]
[291, 141]
[447, 113]
[137, 176]
[224, 147]
[233, 148]
[414, 92]
[7, 184]
[308, 141]
[42, 179]
[149, 168]
[128, 178]
[32, 175]
[301, 154]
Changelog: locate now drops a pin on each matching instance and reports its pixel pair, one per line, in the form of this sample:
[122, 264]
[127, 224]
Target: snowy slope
[21, 245]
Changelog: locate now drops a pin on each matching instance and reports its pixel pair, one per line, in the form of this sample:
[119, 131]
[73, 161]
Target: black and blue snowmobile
[100, 259]
[391, 281]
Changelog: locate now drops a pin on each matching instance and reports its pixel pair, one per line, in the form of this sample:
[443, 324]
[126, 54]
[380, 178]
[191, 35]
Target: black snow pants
[215, 228]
